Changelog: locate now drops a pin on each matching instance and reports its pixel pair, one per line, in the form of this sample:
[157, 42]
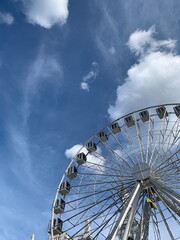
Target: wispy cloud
[90, 76]
[6, 18]
[154, 79]
[107, 35]
[22, 160]
[46, 13]
[112, 50]
[44, 68]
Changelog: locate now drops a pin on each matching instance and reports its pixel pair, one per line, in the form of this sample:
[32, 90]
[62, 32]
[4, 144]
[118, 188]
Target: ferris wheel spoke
[100, 167]
[100, 212]
[166, 162]
[169, 204]
[170, 168]
[116, 155]
[174, 196]
[165, 157]
[99, 232]
[140, 141]
[101, 199]
[124, 150]
[131, 145]
[155, 226]
[110, 160]
[150, 138]
[157, 142]
[90, 208]
[100, 174]
[93, 218]
[99, 192]
[97, 183]
[171, 143]
[165, 222]
[111, 225]
[106, 223]
[97, 203]
[167, 169]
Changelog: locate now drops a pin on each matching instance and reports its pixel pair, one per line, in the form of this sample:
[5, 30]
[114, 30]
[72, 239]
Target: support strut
[125, 211]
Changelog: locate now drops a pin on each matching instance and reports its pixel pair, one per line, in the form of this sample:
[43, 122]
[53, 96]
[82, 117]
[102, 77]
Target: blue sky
[67, 68]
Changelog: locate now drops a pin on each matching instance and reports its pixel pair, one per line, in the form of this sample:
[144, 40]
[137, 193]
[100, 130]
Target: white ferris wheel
[124, 182]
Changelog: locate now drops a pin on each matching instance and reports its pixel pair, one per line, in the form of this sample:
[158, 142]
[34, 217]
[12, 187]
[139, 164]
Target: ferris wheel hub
[141, 171]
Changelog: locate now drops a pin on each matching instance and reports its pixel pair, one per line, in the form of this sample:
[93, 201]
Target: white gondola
[81, 158]
[144, 115]
[59, 206]
[49, 227]
[57, 226]
[115, 128]
[161, 112]
[177, 110]
[103, 136]
[72, 172]
[64, 188]
[91, 147]
[129, 121]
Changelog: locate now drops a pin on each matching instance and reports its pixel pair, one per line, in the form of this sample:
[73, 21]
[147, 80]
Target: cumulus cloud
[90, 76]
[154, 79]
[95, 158]
[46, 13]
[6, 18]
[143, 42]
[71, 152]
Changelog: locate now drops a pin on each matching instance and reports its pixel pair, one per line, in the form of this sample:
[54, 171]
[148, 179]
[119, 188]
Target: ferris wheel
[124, 182]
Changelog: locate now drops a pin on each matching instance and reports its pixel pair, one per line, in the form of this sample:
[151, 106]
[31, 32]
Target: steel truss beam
[143, 232]
[133, 197]
[174, 196]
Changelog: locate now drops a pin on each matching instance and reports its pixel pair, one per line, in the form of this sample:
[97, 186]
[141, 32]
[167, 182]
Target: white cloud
[90, 76]
[44, 68]
[153, 80]
[84, 86]
[140, 39]
[46, 13]
[71, 152]
[143, 42]
[6, 18]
